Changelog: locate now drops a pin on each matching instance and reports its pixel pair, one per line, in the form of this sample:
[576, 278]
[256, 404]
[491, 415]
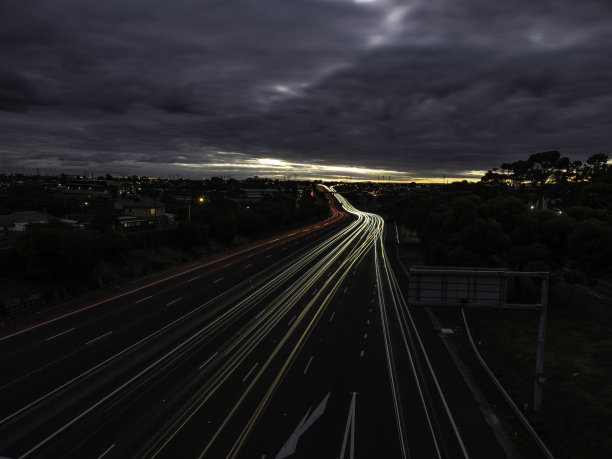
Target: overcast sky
[318, 88]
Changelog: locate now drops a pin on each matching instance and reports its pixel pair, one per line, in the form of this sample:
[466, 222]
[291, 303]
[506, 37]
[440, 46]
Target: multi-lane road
[301, 345]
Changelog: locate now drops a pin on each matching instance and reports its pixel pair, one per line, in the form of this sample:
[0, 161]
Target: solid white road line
[59, 334]
[96, 339]
[193, 278]
[332, 316]
[174, 301]
[291, 321]
[218, 280]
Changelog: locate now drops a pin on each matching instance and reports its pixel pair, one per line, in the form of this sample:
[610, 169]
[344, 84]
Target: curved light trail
[282, 304]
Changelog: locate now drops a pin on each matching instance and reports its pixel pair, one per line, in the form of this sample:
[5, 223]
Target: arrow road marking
[289, 447]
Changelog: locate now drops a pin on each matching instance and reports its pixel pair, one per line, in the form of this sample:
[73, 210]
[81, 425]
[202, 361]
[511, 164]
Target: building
[18, 221]
[142, 207]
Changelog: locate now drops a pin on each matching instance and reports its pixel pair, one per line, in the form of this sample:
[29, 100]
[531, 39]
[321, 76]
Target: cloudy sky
[314, 88]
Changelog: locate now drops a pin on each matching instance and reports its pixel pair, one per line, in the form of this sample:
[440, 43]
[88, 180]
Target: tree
[590, 246]
[597, 164]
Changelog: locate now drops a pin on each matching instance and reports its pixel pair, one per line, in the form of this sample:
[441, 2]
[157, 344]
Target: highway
[301, 345]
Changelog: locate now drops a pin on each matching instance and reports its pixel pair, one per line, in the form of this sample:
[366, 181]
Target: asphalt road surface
[299, 346]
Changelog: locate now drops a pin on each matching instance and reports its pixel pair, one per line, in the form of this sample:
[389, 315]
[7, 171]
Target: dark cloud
[17, 93]
[423, 87]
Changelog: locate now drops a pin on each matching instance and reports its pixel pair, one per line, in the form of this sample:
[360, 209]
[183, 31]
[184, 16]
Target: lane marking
[193, 278]
[248, 266]
[227, 265]
[365, 336]
[190, 268]
[345, 288]
[132, 379]
[107, 451]
[309, 362]
[218, 280]
[289, 447]
[208, 360]
[315, 292]
[368, 322]
[269, 256]
[173, 301]
[60, 334]
[332, 316]
[292, 319]
[143, 299]
[362, 352]
[350, 423]
[99, 337]
[249, 373]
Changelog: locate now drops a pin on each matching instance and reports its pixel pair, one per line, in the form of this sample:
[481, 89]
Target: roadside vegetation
[575, 420]
[543, 214]
[539, 218]
[58, 260]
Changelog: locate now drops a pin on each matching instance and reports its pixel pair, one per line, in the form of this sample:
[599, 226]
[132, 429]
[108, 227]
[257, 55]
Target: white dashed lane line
[251, 371]
[207, 361]
[143, 299]
[59, 334]
[106, 452]
[98, 338]
[308, 365]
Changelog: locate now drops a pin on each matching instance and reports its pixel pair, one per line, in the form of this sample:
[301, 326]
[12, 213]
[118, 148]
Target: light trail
[285, 293]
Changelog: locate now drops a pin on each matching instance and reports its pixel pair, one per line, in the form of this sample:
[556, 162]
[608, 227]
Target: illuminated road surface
[300, 346]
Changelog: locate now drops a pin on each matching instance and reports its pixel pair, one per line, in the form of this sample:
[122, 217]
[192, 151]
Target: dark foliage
[540, 225]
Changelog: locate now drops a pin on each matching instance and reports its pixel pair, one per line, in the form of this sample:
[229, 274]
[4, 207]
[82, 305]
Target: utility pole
[540, 379]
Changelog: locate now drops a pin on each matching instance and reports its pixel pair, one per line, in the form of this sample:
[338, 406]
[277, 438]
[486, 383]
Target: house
[142, 207]
[257, 194]
[132, 223]
[18, 221]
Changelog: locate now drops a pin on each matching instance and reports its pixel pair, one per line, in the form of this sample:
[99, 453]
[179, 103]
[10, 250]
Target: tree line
[58, 255]
[543, 216]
